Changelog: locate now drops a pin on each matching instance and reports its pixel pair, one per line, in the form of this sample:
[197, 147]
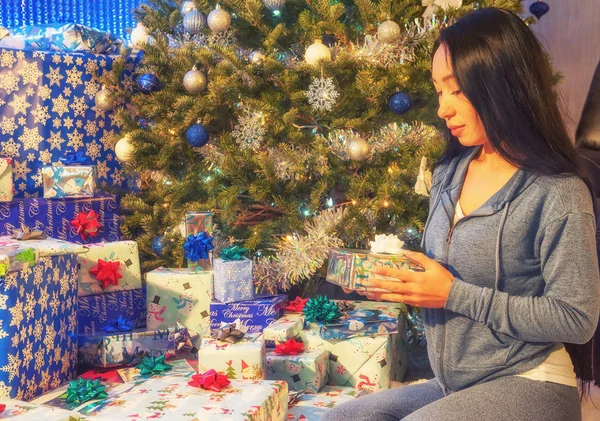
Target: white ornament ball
[139, 35]
[389, 32]
[124, 150]
[187, 6]
[274, 4]
[194, 22]
[317, 52]
[257, 58]
[194, 81]
[219, 20]
[358, 149]
[104, 100]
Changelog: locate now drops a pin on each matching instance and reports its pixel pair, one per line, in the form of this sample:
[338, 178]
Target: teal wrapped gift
[38, 320]
[233, 280]
[306, 372]
[74, 181]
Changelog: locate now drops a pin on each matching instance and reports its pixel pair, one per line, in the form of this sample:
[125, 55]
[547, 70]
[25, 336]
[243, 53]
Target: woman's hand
[421, 289]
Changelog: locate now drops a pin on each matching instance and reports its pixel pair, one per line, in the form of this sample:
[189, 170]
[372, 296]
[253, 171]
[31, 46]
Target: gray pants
[506, 399]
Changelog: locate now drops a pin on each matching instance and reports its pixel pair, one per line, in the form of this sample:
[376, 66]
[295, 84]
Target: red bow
[87, 224]
[211, 380]
[297, 305]
[2, 407]
[107, 273]
[290, 347]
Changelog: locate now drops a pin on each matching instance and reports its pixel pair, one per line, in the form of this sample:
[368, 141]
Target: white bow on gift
[388, 244]
[434, 5]
[423, 184]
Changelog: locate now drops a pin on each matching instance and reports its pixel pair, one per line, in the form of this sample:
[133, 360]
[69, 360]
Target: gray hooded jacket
[526, 274]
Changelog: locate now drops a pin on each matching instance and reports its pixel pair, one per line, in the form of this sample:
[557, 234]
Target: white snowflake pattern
[31, 138]
[54, 76]
[3, 300]
[117, 176]
[5, 391]
[91, 128]
[9, 83]
[101, 169]
[19, 104]
[68, 122]
[75, 139]
[79, 106]
[3, 333]
[44, 92]
[60, 105]
[56, 123]
[37, 179]
[322, 94]
[20, 170]
[93, 149]
[30, 91]
[7, 59]
[55, 140]
[22, 186]
[40, 114]
[56, 59]
[91, 88]
[74, 77]
[107, 139]
[45, 157]
[67, 91]
[31, 157]
[68, 59]
[90, 67]
[79, 61]
[30, 73]
[14, 363]
[250, 131]
[8, 125]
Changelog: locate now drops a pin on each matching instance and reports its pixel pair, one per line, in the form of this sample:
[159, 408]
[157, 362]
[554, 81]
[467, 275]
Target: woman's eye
[456, 92]
[439, 93]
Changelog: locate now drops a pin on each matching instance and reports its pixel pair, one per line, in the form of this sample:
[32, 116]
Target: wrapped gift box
[171, 398]
[126, 348]
[313, 407]
[97, 311]
[19, 410]
[38, 320]
[233, 280]
[363, 362]
[61, 115]
[178, 296]
[124, 252]
[255, 314]
[75, 181]
[6, 180]
[287, 327]
[244, 359]
[195, 223]
[54, 217]
[348, 268]
[307, 371]
[367, 319]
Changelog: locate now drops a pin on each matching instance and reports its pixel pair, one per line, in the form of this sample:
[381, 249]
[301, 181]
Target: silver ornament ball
[219, 20]
[104, 100]
[389, 32]
[358, 149]
[194, 22]
[194, 81]
[274, 4]
[257, 57]
[187, 6]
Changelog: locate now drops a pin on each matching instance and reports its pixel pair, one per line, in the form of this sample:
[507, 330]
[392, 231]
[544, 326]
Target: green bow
[82, 390]
[321, 309]
[233, 253]
[153, 365]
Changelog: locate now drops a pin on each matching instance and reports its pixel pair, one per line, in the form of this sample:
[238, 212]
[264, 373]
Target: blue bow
[119, 325]
[197, 246]
[75, 158]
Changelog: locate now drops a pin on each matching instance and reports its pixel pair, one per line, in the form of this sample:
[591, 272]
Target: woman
[511, 271]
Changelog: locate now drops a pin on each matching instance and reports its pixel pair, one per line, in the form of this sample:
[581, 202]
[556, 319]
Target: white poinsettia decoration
[388, 244]
[423, 184]
[434, 6]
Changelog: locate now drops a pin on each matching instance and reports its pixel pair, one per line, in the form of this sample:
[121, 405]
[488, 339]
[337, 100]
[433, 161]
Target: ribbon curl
[233, 253]
[82, 390]
[75, 158]
[87, 224]
[227, 334]
[153, 365]
[211, 380]
[346, 306]
[291, 347]
[197, 246]
[119, 325]
[26, 233]
[297, 306]
[107, 273]
[321, 309]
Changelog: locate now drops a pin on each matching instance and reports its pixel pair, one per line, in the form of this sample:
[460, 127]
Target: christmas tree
[301, 124]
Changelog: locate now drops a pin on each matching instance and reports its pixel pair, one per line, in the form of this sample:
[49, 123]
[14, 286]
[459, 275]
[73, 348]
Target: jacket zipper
[446, 255]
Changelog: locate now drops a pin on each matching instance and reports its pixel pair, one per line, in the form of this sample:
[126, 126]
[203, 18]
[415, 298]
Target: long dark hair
[502, 69]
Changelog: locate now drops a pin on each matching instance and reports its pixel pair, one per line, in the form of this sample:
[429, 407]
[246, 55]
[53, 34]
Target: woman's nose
[445, 111]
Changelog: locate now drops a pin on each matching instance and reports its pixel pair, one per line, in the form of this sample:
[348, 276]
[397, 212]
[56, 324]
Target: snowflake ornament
[322, 94]
[250, 131]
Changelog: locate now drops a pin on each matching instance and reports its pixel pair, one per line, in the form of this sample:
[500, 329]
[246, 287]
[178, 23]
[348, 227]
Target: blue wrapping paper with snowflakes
[98, 311]
[360, 322]
[47, 109]
[54, 217]
[255, 314]
[233, 280]
[38, 327]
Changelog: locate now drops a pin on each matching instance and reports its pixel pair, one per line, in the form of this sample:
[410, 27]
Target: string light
[353, 202]
[386, 203]
[306, 212]
[329, 202]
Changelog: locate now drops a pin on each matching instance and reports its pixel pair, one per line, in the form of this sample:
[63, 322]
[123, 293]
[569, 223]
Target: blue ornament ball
[539, 9]
[400, 102]
[148, 83]
[158, 245]
[197, 135]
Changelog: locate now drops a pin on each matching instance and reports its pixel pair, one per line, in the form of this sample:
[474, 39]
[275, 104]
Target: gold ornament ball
[317, 52]
[389, 32]
[257, 58]
[124, 150]
[219, 20]
[139, 35]
[194, 81]
[104, 100]
[358, 149]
